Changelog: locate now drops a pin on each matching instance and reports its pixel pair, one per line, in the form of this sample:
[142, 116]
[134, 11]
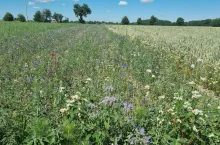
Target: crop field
[72, 84]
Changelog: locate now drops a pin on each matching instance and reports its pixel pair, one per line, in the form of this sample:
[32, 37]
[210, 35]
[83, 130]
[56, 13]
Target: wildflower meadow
[73, 84]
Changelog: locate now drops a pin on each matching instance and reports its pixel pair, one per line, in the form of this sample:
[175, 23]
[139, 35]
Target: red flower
[53, 54]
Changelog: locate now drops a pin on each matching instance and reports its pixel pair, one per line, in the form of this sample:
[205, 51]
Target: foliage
[139, 21]
[215, 23]
[47, 15]
[58, 17]
[153, 20]
[8, 17]
[38, 16]
[125, 20]
[82, 11]
[21, 18]
[180, 21]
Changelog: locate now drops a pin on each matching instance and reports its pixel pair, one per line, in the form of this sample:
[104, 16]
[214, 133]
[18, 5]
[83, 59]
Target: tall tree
[82, 11]
[58, 17]
[180, 21]
[8, 17]
[153, 20]
[21, 18]
[125, 20]
[139, 21]
[38, 16]
[47, 15]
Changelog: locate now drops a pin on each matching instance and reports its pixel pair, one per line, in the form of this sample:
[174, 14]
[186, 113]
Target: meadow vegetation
[104, 84]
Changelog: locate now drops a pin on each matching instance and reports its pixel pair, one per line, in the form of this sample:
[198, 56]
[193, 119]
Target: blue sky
[114, 10]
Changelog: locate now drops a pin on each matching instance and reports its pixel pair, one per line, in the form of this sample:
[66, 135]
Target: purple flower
[127, 106]
[123, 65]
[135, 125]
[148, 139]
[142, 131]
[131, 89]
[108, 88]
[108, 100]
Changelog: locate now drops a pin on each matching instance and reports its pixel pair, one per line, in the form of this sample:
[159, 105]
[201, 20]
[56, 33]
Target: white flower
[148, 70]
[153, 76]
[63, 110]
[192, 83]
[75, 97]
[197, 112]
[195, 94]
[187, 105]
[147, 87]
[192, 66]
[61, 89]
[161, 97]
[199, 60]
[178, 120]
[89, 79]
[41, 92]
[203, 79]
[211, 135]
[195, 129]
[218, 107]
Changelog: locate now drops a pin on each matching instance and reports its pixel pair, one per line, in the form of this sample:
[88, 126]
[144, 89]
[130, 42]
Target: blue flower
[108, 88]
[148, 139]
[142, 131]
[135, 125]
[127, 106]
[108, 100]
[131, 89]
[124, 65]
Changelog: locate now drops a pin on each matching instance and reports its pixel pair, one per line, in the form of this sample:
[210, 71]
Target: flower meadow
[95, 85]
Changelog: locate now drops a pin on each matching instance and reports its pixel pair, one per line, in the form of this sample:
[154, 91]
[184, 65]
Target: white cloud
[44, 1]
[36, 7]
[146, 1]
[31, 3]
[123, 3]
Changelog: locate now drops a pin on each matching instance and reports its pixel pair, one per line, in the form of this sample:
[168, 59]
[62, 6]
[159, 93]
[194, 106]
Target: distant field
[193, 42]
[65, 84]
[17, 28]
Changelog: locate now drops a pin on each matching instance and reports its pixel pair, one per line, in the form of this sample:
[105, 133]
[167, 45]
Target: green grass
[102, 88]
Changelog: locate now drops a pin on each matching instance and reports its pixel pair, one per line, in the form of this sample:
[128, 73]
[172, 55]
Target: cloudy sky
[114, 10]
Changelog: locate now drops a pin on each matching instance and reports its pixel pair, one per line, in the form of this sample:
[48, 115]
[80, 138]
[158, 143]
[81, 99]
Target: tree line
[179, 22]
[84, 10]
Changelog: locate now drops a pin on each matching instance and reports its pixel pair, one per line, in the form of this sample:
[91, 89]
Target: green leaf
[107, 126]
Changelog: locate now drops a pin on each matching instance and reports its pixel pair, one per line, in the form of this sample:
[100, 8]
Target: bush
[21, 18]
[8, 17]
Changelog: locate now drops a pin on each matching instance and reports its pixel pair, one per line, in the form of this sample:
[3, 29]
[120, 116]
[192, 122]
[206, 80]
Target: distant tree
[82, 11]
[180, 21]
[38, 16]
[66, 20]
[125, 20]
[8, 17]
[47, 15]
[58, 17]
[153, 20]
[139, 21]
[215, 22]
[21, 18]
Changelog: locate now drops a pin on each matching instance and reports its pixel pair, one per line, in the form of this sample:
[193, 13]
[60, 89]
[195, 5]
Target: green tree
[58, 17]
[38, 16]
[180, 21]
[47, 15]
[153, 20]
[21, 18]
[139, 21]
[125, 20]
[215, 22]
[8, 17]
[82, 11]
